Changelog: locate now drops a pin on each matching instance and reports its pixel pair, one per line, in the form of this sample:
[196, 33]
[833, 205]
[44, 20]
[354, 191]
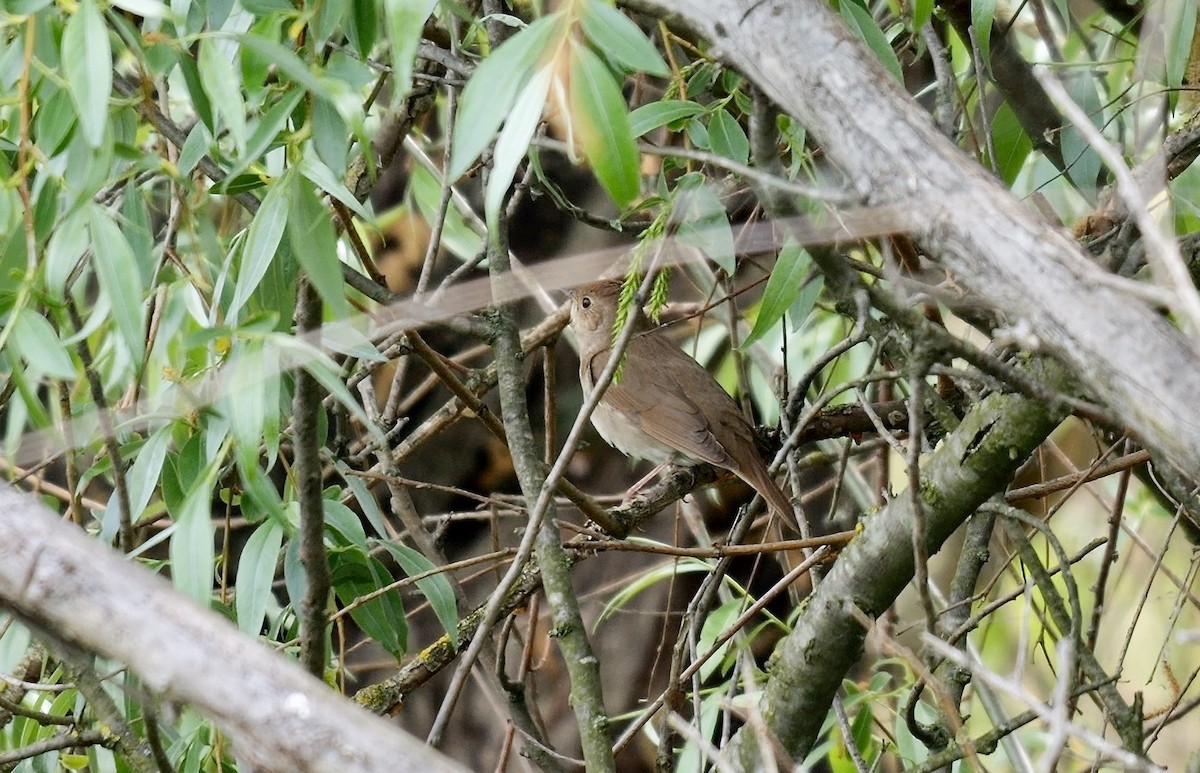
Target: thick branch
[978, 458]
[56, 578]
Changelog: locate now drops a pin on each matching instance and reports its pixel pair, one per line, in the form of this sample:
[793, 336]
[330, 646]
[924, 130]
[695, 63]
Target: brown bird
[665, 407]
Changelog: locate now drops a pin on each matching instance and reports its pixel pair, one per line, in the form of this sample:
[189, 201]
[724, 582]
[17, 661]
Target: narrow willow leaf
[514, 141]
[648, 579]
[783, 287]
[363, 27]
[287, 62]
[314, 242]
[405, 22]
[1084, 166]
[922, 12]
[366, 500]
[117, 270]
[354, 574]
[714, 625]
[344, 522]
[488, 98]
[1011, 142]
[322, 176]
[649, 117]
[436, 588]
[246, 405]
[224, 89]
[266, 130]
[727, 138]
[457, 235]
[36, 342]
[601, 124]
[191, 551]
[256, 574]
[144, 474]
[620, 39]
[703, 223]
[330, 136]
[87, 61]
[861, 22]
[262, 243]
[1178, 50]
[66, 246]
[983, 13]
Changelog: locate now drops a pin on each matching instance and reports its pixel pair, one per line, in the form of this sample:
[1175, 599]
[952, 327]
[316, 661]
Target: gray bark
[75, 589]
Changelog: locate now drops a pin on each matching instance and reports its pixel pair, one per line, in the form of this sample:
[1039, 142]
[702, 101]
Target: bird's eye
[585, 302]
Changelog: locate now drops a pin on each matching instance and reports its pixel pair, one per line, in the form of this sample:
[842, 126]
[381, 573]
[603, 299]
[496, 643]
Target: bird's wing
[659, 404]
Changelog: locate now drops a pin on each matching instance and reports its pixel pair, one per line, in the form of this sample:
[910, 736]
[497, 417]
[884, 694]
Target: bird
[665, 407]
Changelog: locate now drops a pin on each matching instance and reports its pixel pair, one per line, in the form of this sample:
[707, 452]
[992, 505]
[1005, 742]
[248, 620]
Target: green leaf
[298, 353]
[514, 142]
[620, 39]
[702, 221]
[191, 550]
[488, 98]
[363, 28]
[245, 406]
[366, 500]
[601, 125]
[262, 242]
[256, 574]
[714, 625]
[355, 574]
[117, 270]
[983, 13]
[194, 148]
[405, 22]
[264, 7]
[860, 21]
[265, 130]
[287, 62]
[87, 61]
[649, 117]
[224, 89]
[1178, 48]
[436, 588]
[63, 251]
[457, 235]
[322, 177]
[646, 580]
[344, 522]
[54, 122]
[195, 89]
[1083, 162]
[726, 137]
[36, 342]
[311, 234]
[330, 136]
[922, 12]
[783, 287]
[144, 474]
[1011, 142]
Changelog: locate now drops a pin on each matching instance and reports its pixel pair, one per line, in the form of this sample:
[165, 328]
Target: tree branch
[56, 578]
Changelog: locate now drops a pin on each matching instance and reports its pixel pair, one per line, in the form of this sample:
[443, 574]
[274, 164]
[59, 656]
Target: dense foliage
[279, 317]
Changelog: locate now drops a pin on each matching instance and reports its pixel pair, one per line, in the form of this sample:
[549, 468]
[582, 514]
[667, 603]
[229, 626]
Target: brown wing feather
[659, 405]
